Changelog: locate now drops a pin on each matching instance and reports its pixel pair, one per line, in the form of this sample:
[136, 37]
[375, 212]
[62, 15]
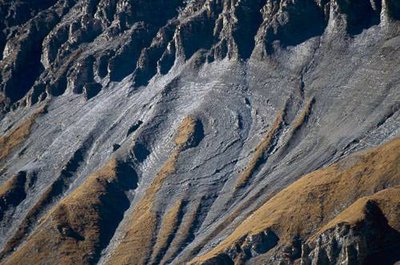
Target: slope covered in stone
[185, 118]
[361, 187]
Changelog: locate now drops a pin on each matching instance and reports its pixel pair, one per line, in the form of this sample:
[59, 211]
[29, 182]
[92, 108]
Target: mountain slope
[319, 201]
[154, 132]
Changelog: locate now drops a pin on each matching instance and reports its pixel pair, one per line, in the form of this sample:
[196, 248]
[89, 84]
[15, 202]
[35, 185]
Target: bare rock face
[371, 241]
[113, 39]
[156, 132]
[248, 248]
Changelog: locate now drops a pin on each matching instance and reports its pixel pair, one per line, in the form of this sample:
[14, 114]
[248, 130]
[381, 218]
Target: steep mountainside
[200, 132]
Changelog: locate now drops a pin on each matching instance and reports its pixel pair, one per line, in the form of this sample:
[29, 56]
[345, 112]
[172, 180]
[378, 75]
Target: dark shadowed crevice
[250, 18]
[264, 241]
[199, 27]
[91, 90]
[148, 61]
[2, 44]
[82, 75]
[12, 192]
[167, 60]
[49, 196]
[102, 64]
[196, 136]
[37, 93]
[221, 259]
[382, 241]
[394, 9]
[140, 151]
[124, 62]
[141, 56]
[134, 127]
[360, 14]
[22, 81]
[58, 87]
[114, 203]
[14, 13]
[304, 20]
[26, 51]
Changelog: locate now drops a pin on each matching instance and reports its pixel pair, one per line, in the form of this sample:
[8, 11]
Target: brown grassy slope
[185, 131]
[73, 231]
[12, 192]
[138, 239]
[137, 244]
[259, 152]
[388, 201]
[30, 218]
[183, 234]
[18, 135]
[9, 185]
[169, 226]
[312, 201]
[304, 114]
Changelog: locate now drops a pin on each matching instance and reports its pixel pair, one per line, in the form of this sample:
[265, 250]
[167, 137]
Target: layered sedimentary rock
[203, 131]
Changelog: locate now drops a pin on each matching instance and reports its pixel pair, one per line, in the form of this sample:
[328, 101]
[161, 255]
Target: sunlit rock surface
[156, 132]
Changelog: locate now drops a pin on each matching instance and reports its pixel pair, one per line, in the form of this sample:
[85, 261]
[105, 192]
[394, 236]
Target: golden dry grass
[69, 233]
[137, 244]
[300, 119]
[9, 185]
[29, 219]
[169, 225]
[185, 131]
[107, 171]
[10, 141]
[388, 201]
[183, 233]
[12, 193]
[259, 152]
[312, 201]
[139, 236]
[297, 124]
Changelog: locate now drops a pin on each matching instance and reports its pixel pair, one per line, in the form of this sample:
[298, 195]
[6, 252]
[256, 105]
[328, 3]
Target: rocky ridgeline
[50, 47]
[372, 241]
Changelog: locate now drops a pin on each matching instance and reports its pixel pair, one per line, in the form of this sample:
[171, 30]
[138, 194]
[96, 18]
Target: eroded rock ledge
[299, 224]
[52, 47]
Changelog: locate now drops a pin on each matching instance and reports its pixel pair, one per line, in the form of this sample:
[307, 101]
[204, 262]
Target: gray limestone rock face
[117, 78]
[372, 241]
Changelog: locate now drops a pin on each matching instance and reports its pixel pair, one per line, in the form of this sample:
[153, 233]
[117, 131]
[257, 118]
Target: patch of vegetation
[170, 223]
[139, 240]
[311, 203]
[12, 140]
[259, 152]
[81, 225]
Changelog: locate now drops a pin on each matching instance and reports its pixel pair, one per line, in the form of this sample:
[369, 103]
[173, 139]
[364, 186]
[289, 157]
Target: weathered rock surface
[320, 220]
[184, 119]
[369, 240]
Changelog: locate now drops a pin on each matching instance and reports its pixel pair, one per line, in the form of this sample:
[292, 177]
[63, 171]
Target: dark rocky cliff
[51, 46]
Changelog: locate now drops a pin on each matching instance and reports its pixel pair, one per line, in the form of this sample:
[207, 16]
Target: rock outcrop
[67, 44]
[296, 225]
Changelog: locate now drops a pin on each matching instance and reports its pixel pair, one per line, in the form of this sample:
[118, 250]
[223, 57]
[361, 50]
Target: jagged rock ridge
[75, 45]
